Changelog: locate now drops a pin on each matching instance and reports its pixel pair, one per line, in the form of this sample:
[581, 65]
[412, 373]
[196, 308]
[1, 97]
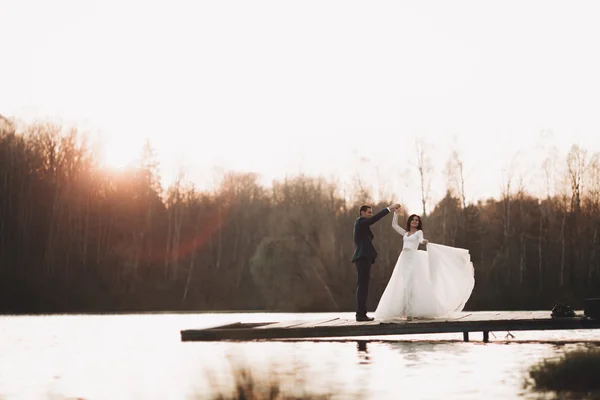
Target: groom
[365, 254]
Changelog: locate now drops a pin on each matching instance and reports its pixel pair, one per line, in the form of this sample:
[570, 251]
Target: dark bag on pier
[561, 310]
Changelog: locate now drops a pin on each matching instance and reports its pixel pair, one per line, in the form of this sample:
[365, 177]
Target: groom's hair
[364, 208]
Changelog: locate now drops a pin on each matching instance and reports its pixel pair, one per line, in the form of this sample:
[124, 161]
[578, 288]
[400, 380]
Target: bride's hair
[420, 227]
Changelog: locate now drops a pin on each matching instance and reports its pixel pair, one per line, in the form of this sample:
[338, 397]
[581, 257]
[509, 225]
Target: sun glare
[119, 155]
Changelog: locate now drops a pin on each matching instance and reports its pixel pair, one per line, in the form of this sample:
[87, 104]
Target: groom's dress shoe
[364, 318]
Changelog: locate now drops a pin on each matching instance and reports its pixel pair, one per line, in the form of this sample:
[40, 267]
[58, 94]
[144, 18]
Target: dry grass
[574, 375]
[249, 383]
[247, 387]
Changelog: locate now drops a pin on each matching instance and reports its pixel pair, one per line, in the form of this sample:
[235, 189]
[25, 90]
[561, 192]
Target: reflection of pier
[465, 322]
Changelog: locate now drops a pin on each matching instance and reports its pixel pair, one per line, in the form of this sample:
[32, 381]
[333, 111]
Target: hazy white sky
[282, 87]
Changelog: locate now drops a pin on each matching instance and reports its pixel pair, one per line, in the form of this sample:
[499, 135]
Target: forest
[78, 238]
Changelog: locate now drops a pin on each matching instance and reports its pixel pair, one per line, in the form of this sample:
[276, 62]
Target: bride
[432, 283]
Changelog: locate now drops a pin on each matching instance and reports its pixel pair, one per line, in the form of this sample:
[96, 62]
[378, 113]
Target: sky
[341, 89]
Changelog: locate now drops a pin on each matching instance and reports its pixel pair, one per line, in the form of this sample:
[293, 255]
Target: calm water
[142, 357]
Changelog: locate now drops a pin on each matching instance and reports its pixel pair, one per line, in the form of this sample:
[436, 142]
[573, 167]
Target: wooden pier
[464, 322]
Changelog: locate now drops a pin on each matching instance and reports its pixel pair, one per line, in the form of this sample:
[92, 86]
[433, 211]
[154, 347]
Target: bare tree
[424, 167]
[175, 213]
[593, 207]
[576, 166]
[455, 170]
[540, 246]
[522, 231]
[563, 243]
[506, 199]
[548, 165]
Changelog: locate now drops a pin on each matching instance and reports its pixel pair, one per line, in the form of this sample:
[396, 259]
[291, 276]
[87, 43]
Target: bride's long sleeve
[397, 227]
[420, 237]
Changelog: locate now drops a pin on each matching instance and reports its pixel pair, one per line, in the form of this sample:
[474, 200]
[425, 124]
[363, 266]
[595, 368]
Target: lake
[141, 356]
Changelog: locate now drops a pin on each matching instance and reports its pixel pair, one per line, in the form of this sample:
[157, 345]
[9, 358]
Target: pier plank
[307, 324]
[283, 324]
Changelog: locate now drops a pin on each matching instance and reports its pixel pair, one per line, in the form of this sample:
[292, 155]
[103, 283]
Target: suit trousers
[363, 268]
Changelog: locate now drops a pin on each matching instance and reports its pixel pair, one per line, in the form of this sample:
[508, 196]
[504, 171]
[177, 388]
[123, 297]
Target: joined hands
[395, 207]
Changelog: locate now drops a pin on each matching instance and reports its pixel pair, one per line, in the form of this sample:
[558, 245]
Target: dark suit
[364, 256]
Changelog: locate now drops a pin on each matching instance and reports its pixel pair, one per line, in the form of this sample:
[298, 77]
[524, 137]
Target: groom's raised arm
[379, 215]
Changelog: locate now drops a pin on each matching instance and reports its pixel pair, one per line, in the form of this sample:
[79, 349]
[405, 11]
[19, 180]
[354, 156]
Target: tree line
[75, 237]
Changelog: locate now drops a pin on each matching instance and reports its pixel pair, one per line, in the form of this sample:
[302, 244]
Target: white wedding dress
[427, 284]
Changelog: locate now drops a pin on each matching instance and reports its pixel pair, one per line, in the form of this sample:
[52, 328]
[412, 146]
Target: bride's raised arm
[397, 227]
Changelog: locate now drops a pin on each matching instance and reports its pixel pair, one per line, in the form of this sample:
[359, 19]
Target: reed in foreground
[248, 384]
[574, 374]
[247, 387]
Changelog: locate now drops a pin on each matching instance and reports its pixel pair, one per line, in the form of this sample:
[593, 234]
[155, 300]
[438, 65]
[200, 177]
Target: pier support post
[466, 336]
[486, 336]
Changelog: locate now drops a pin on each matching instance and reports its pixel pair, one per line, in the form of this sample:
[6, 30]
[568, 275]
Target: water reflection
[413, 353]
[361, 345]
[363, 353]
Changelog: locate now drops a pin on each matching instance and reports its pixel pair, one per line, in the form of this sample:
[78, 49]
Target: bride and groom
[432, 283]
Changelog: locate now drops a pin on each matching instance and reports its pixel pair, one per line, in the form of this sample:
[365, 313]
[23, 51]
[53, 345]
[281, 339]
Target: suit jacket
[363, 237]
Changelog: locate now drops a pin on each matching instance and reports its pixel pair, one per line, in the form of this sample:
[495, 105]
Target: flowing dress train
[432, 283]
